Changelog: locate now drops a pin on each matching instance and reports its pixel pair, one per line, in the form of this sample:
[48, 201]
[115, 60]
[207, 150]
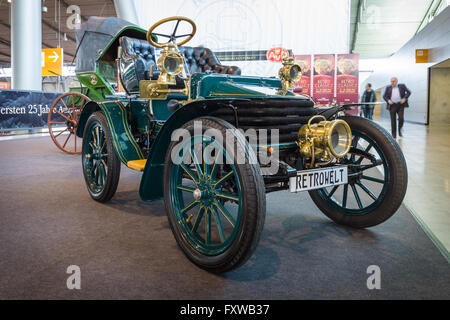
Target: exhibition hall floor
[125, 248]
[426, 149]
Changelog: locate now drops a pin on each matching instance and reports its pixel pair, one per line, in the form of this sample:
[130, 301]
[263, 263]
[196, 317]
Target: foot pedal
[138, 165]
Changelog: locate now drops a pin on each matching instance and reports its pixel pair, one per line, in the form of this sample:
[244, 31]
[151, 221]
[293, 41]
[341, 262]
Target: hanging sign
[347, 79]
[304, 61]
[323, 80]
[52, 62]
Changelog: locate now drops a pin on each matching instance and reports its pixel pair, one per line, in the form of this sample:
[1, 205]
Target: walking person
[396, 96]
[369, 96]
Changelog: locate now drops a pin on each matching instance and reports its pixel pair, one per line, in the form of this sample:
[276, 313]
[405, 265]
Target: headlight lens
[173, 64]
[324, 140]
[295, 72]
[340, 139]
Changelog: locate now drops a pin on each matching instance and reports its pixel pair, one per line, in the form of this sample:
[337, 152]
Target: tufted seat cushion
[201, 59]
[138, 55]
[136, 58]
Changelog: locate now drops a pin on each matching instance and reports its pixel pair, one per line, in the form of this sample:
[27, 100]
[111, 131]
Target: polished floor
[427, 151]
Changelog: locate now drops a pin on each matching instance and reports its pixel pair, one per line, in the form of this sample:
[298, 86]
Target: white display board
[305, 26]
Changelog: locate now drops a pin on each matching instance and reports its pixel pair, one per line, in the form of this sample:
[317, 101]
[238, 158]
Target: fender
[330, 113]
[116, 117]
[151, 187]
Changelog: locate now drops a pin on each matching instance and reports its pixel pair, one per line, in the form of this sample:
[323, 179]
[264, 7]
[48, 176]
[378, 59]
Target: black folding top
[98, 34]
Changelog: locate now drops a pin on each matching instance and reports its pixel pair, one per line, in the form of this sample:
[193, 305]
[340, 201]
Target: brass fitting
[289, 73]
[325, 140]
[170, 63]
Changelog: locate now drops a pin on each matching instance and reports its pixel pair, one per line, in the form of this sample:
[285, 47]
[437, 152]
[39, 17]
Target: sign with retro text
[304, 61]
[323, 80]
[52, 61]
[347, 84]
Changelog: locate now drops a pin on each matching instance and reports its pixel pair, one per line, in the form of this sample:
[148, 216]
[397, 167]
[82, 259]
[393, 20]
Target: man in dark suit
[396, 96]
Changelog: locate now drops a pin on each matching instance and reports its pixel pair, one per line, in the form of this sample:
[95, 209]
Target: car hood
[223, 86]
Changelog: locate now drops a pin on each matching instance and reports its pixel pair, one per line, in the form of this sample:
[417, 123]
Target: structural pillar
[126, 9]
[26, 44]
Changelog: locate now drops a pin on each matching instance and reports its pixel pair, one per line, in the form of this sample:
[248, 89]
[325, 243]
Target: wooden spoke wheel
[63, 120]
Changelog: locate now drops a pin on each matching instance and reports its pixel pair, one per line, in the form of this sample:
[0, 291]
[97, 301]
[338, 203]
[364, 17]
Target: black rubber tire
[253, 210]
[396, 189]
[113, 162]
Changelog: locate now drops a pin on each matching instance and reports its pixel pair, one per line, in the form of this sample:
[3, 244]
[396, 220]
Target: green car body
[209, 93]
[138, 129]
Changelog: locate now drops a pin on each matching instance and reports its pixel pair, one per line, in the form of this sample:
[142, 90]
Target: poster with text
[304, 61]
[347, 80]
[323, 80]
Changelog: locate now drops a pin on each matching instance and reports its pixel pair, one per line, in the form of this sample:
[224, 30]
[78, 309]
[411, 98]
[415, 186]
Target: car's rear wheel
[101, 166]
[215, 204]
[377, 181]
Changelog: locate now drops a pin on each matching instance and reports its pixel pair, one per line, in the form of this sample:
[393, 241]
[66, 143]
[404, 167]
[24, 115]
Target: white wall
[436, 37]
[440, 96]
[305, 26]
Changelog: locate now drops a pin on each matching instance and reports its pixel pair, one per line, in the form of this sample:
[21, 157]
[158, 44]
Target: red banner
[323, 80]
[347, 80]
[304, 61]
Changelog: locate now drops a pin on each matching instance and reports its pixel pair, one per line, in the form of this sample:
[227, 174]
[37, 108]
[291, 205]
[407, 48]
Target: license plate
[318, 178]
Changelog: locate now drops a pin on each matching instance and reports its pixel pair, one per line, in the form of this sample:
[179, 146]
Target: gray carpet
[126, 250]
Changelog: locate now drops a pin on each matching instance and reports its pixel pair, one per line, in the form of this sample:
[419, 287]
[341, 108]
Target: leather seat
[136, 58]
[203, 60]
[138, 55]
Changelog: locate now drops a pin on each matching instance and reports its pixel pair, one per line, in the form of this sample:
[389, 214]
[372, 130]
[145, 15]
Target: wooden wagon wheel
[63, 121]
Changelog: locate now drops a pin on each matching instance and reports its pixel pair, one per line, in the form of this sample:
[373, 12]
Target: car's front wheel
[377, 180]
[214, 195]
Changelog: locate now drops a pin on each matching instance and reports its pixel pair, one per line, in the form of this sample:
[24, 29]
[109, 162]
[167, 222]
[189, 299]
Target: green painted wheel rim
[211, 223]
[95, 158]
[351, 188]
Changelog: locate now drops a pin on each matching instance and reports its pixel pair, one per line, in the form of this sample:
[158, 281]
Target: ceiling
[50, 25]
[380, 27]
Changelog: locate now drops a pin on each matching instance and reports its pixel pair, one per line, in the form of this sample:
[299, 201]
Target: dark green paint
[209, 92]
[116, 116]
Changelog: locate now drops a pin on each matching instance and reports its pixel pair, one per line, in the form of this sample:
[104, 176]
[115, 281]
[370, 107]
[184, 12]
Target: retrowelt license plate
[318, 178]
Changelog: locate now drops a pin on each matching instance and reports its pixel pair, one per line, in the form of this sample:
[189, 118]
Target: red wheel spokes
[59, 129]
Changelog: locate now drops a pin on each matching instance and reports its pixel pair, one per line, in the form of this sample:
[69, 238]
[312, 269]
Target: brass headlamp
[289, 73]
[170, 64]
[324, 140]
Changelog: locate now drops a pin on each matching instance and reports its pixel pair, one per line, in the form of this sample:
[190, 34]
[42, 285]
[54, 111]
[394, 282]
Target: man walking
[396, 96]
[369, 96]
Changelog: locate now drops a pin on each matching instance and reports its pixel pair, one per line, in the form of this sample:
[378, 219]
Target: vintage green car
[212, 143]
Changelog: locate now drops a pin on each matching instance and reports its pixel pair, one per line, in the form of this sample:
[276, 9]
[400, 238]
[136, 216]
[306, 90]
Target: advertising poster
[25, 109]
[323, 80]
[304, 61]
[347, 80]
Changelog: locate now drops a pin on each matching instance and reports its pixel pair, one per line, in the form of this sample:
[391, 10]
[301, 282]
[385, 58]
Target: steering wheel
[173, 37]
